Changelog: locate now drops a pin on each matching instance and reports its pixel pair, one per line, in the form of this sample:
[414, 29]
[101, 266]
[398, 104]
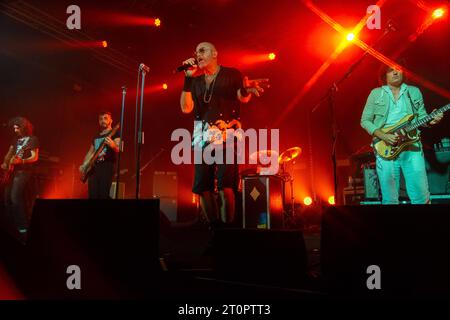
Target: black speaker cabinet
[262, 202]
[260, 256]
[113, 242]
[408, 243]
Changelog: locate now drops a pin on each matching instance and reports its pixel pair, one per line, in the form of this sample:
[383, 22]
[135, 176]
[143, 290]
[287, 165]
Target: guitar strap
[22, 145]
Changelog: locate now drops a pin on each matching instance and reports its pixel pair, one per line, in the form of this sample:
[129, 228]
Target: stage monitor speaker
[408, 243]
[262, 202]
[260, 256]
[113, 242]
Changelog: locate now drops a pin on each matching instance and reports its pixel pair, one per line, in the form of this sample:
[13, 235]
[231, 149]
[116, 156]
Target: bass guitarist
[17, 174]
[385, 107]
[101, 174]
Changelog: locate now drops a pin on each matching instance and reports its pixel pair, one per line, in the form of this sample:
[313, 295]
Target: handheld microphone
[183, 67]
[144, 67]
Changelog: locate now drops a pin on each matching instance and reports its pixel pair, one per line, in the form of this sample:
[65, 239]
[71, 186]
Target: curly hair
[384, 69]
[25, 126]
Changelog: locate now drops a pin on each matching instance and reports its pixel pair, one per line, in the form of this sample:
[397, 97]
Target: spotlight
[438, 13]
[272, 56]
[157, 22]
[164, 86]
[104, 44]
[331, 200]
[350, 37]
[307, 201]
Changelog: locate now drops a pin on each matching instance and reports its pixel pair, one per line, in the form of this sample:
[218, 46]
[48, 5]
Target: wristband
[187, 84]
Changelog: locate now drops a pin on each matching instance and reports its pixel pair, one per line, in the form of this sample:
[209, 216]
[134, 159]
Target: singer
[214, 94]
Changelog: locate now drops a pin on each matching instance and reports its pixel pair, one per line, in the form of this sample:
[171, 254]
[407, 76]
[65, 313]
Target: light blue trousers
[411, 162]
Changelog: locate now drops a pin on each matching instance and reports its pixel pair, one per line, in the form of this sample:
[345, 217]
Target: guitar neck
[427, 119]
[103, 145]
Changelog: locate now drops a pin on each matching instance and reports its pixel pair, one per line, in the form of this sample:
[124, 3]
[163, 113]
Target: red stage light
[350, 37]
[272, 56]
[438, 13]
[105, 44]
[164, 86]
[307, 201]
[157, 22]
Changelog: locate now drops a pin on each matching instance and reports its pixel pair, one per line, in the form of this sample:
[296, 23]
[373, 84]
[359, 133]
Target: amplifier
[120, 194]
[438, 171]
[262, 202]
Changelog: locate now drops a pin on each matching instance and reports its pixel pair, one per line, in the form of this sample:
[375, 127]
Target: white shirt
[397, 109]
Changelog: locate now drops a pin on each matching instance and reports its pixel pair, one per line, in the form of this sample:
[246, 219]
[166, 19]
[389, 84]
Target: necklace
[207, 96]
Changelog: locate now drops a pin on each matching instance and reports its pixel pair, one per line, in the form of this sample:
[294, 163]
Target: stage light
[331, 200]
[350, 37]
[272, 56]
[438, 13]
[307, 201]
[157, 22]
[164, 86]
[105, 44]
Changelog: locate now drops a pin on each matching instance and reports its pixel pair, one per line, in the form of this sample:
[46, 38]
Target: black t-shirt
[22, 149]
[107, 154]
[224, 104]
[217, 108]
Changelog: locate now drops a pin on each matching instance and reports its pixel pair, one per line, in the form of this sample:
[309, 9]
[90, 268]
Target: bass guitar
[90, 164]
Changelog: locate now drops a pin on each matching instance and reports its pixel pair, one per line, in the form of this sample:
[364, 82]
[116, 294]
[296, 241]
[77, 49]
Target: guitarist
[18, 166]
[100, 179]
[385, 106]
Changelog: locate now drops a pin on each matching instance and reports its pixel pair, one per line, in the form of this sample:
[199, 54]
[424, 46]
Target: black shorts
[205, 174]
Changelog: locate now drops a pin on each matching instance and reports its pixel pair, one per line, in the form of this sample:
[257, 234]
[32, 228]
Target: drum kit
[284, 160]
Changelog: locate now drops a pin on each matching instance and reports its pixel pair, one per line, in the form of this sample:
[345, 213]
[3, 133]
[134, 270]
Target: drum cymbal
[256, 156]
[289, 154]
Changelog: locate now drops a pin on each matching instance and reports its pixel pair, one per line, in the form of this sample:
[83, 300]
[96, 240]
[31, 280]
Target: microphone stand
[330, 97]
[124, 92]
[139, 134]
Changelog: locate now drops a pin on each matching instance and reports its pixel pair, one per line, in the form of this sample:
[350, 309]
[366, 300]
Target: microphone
[144, 67]
[183, 67]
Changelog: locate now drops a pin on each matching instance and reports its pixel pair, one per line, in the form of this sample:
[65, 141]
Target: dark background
[62, 87]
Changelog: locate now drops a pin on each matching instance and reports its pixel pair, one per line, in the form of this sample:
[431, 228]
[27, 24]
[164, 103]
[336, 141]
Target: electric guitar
[205, 134]
[87, 169]
[407, 133]
[7, 174]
